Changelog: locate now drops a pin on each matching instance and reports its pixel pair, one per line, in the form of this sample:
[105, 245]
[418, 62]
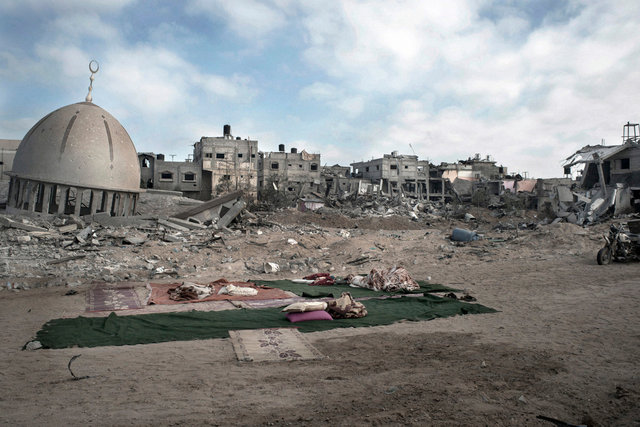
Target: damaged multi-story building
[610, 175]
[337, 179]
[465, 176]
[609, 165]
[394, 174]
[293, 172]
[228, 163]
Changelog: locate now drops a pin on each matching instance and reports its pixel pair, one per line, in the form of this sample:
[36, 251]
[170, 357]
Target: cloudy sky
[527, 82]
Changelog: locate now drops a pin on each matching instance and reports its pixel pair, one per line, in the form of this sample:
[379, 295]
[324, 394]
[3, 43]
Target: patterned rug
[102, 298]
[274, 344]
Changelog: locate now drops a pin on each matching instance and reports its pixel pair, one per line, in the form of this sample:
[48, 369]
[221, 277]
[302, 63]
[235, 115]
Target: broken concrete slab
[212, 205]
[564, 194]
[134, 239]
[581, 197]
[231, 214]
[84, 234]
[173, 239]
[67, 228]
[106, 220]
[10, 223]
[187, 224]
[172, 225]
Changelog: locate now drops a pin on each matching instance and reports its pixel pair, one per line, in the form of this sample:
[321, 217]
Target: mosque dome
[79, 145]
[76, 160]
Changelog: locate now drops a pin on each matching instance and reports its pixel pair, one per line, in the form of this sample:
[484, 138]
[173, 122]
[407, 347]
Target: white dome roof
[79, 145]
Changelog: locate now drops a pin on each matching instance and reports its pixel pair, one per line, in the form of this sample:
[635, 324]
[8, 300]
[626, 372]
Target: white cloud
[527, 95]
[70, 60]
[83, 25]
[381, 46]
[319, 91]
[445, 77]
[335, 97]
[249, 19]
[63, 6]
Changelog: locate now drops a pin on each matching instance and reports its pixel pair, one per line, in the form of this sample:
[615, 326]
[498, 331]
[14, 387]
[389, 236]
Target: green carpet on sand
[193, 325]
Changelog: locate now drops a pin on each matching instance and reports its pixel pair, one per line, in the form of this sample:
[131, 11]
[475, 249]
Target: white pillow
[301, 307]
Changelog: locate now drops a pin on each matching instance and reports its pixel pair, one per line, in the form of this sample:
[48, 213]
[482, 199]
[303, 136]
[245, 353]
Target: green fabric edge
[182, 326]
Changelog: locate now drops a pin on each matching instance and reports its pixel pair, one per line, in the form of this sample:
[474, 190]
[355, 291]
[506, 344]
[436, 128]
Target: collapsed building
[77, 160]
[474, 175]
[608, 178]
[610, 165]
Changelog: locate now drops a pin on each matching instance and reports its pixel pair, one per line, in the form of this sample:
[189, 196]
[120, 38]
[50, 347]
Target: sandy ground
[564, 343]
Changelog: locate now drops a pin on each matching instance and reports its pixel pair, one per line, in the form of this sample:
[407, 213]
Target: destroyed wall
[487, 169]
[232, 163]
[372, 170]
[147, 165]
[453, 171]
[396, 174]
[294, 172]
[336, 179]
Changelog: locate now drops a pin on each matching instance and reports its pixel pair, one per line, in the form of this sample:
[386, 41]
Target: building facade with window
[396, 173]
[228, 163]
[290, 172]
[156, 173]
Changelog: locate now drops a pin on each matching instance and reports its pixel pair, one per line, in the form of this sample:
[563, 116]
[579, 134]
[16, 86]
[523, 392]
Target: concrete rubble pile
[360, 206]
[591, 206]
[46, 245]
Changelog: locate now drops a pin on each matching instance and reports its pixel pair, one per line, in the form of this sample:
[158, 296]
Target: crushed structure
[608, 182]
[395, 174]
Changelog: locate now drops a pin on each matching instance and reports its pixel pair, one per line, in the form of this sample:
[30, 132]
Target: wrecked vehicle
[620, 244]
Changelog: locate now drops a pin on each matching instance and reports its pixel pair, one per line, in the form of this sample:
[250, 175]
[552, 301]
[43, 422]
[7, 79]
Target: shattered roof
[590, 153]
